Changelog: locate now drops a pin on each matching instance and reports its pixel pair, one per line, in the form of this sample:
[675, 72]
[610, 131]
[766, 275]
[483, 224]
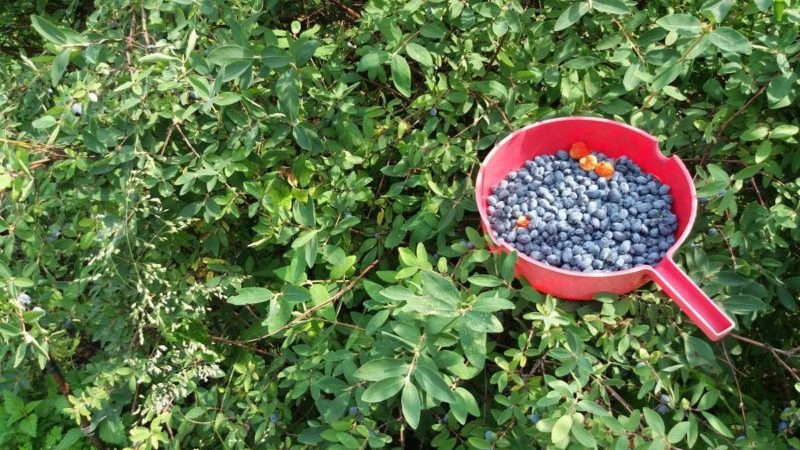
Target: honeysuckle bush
[260, 231]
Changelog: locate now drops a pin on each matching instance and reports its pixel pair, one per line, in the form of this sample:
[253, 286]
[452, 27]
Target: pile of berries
[582, 211]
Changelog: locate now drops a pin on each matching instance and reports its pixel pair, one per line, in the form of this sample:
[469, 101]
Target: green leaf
[275, 58]
[631, 79]
[304, 213]
[743, 304]
[419, 54]
[304, 238]
[778, 91]
[764, 150]
[592, 407]
[381, 368]
[380, 391]
[583, 436]
[571, 15]
[288, 96]
[227, 98]
[432, 383]
[280, 311]
[730, 40]
[59, 66]
[251, 295]
[748, 171]
[784, 131]
[678, 432]
[227, 54]
[680, 23]
[411, 405]
[48, 30]
[666, 75]
[44, 122]
[372, 60]
[484, 280]
[508, 265]
[200, 86]
[717, 9]
[654, 421]
[304, 136]
[10, 330]
[755, 132]
[473, 343]
[560, 431]
[401, 75]
[611, 6]
[718, 425]
[440, 288]
[491, 304]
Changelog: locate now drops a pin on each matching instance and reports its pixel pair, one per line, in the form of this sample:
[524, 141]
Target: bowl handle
[692, 300]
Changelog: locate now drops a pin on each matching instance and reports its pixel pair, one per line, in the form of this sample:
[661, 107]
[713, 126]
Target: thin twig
[497, 50]
[619, 398]
[63, 386]
[144, 28]
[761, 344]
[634, 47]
[185, 139]
[785, 366]
[758, 192]
[741, 109]
[241, 345]
[166, 140]
[350, 11]
[738, 388]
[318, 307]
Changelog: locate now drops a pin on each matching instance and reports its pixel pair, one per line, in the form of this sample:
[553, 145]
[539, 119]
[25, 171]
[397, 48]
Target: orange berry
[578, 150]
[605, 169]
[523, 221]
[588, 162]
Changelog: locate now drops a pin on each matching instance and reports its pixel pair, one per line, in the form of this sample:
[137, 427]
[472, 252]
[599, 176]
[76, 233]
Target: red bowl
[614, 139]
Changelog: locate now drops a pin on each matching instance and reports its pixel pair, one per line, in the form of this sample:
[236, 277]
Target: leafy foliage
[261, 232]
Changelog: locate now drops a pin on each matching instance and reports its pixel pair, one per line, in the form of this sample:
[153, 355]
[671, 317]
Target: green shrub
[260, 231]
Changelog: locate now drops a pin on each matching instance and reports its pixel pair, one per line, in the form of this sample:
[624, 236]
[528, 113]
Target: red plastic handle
[692, 300]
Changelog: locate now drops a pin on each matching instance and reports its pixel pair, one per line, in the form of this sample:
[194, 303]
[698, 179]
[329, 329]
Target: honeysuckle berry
[193, 95]
[273, 418]
[77, 109]
[24, 300]
[664, 398]
[712, 232]
[354, 411]
[445, 418]
[433, 112]
[617, 222]
[92, 97]
[662, 409]
[489, 435]
[534, 418]
[783, 426]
